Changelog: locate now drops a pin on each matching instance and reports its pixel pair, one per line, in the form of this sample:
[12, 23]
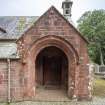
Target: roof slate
[15, 25]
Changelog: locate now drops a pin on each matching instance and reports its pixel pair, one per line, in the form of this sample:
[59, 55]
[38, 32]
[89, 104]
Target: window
[67, 11]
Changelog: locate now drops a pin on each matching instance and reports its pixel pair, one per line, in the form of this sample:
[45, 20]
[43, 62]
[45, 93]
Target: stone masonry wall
[3, 80]
[15, 81]
[52, 23]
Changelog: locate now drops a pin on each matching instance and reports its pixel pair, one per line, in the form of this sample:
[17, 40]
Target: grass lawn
[99, 87]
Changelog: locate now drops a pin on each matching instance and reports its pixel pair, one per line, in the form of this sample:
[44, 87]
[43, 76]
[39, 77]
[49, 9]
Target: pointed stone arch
[48, 41]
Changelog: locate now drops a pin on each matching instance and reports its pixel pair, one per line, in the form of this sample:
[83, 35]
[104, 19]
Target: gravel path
[96, 101]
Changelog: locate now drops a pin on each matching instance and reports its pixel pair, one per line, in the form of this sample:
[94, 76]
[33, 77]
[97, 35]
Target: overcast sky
[38, 7]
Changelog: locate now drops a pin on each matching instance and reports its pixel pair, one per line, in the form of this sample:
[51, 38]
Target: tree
[92, 25]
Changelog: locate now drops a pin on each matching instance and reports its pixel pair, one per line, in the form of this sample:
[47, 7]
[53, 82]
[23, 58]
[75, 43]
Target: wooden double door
[52, 70]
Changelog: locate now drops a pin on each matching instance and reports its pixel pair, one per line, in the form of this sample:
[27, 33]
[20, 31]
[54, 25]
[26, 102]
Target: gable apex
[52, 8]
[70, 23]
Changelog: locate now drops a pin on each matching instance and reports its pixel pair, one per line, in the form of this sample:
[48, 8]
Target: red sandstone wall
[16, 80]
[83, 83]
[3, 80]
[51, 23]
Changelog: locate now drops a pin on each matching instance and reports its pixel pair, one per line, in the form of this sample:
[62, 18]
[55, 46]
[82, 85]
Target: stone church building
[45, 52]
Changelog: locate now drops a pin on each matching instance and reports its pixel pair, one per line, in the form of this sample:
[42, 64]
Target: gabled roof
[15, 25]
[69, 22]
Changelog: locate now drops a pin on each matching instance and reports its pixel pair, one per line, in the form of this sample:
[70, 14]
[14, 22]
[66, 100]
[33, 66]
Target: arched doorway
[51, 68]
[33, 62]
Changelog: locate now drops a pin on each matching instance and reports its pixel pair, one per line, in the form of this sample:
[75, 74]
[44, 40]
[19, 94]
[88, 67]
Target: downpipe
[9, 85]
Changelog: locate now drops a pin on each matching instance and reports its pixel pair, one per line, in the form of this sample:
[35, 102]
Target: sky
[38, 7]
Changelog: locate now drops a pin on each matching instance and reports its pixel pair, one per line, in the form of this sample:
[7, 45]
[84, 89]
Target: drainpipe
[8, 63]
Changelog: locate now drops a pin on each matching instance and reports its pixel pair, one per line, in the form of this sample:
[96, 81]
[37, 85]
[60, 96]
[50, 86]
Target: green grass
[99, 87]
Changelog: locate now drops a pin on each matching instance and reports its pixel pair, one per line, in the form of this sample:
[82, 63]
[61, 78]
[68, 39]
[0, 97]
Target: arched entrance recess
[51, 67]
[59, 44]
